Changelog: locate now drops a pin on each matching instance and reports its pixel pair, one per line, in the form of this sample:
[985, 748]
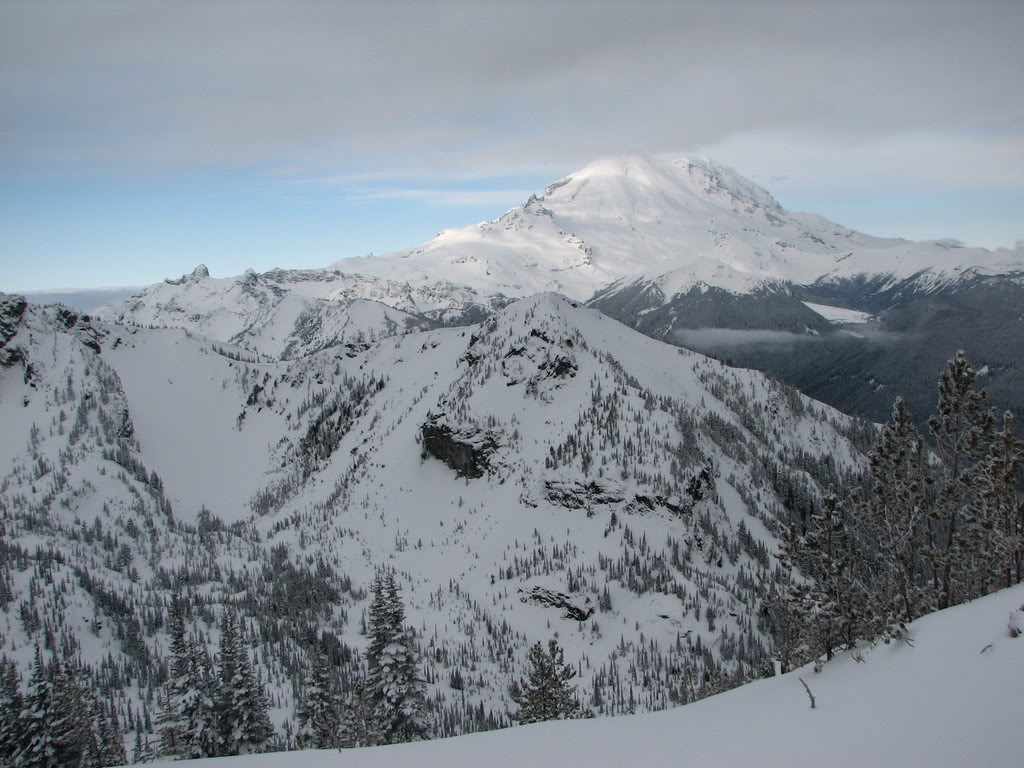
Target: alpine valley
[517, 420]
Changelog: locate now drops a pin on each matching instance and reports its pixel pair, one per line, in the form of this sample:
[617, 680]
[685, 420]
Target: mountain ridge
[670, 246]
[548, 469]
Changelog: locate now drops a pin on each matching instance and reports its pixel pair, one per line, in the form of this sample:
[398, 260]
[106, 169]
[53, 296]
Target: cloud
[905, 160]
[446, 197]
[717, 338]
[450, 88]
[707, 338]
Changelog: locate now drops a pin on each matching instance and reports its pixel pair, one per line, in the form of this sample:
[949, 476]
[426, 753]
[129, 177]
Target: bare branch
[809, 694]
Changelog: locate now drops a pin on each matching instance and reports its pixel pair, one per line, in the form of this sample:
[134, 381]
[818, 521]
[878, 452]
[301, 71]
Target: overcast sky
[139, 138]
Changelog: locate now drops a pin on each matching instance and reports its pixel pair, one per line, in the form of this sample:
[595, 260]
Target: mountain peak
[672, 177]
[200, 272]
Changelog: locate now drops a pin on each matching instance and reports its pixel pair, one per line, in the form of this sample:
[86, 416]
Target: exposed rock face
[11, 310]
[67, 317]
[465, 450]
[576, 495]
[199, 273]
[542, 363]
[552, 599]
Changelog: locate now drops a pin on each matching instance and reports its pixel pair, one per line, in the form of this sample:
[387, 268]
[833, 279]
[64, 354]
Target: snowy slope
[951, 699]
[547, 471]
[838, 315]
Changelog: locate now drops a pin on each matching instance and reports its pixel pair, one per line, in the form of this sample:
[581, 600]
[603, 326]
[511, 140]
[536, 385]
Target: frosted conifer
[546, 693]
[318, 709]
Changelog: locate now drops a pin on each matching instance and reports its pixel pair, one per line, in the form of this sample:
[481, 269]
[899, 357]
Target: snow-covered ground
[949, 697]
[839, 315]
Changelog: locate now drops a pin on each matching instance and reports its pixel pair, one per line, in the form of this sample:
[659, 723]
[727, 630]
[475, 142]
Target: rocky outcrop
[577, 495]
[11, 310]
[590, 495]
[552, 599]
[467, 450]
[542, 363]
[199, 273]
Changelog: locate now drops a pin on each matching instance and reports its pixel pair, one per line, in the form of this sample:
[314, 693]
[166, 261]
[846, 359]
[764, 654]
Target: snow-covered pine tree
[892, 521]
[231, 689]
[389, 706]
[11, 704]
[546, 693]
[257, 731]
[38, 748]
[199, 707]
[996, 524]
[398, 692]
[243, 722]
[962, 431]
[72, 727]
[110, 736]
[187, 721]
[784, 606]
[832, 603]
[318, 709]
[358, 728]
[380, 620]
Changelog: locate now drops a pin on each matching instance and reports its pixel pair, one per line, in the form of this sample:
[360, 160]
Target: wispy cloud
[706, 338]
[445, 197]
[717, 338]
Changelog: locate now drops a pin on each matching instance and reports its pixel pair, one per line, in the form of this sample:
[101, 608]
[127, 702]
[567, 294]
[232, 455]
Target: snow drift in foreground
[950, 697]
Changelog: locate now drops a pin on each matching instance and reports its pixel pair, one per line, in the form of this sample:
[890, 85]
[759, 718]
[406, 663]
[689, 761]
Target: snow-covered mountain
[945, 701]
[548, 471]
[676, 248]
[619, 227]
[678, 223]
[291, 313]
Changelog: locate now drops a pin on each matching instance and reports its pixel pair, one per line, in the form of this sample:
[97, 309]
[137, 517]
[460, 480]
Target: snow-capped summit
[639, 217]
[632, 233]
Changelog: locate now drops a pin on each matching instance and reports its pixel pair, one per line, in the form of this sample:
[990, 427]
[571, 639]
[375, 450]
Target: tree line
[934, 524]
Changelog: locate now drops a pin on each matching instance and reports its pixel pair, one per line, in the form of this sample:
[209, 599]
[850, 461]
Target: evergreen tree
[243, 724]
[546, 693]
[388, 707]
[783, 607]
[257, 730]
[893, 521]
[187, 721]
[318, 709]
[11, 704]
[831, 605]
[171, 722]
[72, 727]
[198, 703]
[962, 431]
[398, 693]
[110, 736]
[38, 748]
[996, 524]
